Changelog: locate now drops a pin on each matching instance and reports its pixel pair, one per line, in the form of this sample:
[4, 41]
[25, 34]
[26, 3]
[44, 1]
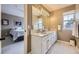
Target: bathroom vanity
[41, 42]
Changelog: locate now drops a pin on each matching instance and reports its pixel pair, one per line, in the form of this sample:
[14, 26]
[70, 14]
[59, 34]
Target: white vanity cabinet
[41, 44]
[51, 39]
[44, 44]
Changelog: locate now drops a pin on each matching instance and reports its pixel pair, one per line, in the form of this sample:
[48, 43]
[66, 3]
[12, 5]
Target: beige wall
[57, 18]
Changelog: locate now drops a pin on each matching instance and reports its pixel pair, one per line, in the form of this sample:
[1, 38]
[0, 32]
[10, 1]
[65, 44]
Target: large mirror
[39, 18]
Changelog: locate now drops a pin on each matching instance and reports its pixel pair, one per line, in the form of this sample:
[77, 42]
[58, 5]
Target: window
[38, 24]
[68, 20]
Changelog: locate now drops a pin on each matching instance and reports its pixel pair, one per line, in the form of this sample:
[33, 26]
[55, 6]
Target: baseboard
[64, 42]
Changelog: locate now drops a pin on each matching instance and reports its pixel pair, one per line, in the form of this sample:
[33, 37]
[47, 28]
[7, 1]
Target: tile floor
[61, 47]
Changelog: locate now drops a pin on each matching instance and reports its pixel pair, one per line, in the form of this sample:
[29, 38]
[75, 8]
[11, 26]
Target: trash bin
[77, 42]
[73, 41]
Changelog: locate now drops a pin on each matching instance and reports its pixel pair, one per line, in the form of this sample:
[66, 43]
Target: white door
[0, 28]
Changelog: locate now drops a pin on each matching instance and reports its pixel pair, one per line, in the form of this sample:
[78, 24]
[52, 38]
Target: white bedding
[17, 33]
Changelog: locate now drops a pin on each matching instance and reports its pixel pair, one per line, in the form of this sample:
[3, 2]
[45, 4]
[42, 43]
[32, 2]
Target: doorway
[25, 40]
[12, 28]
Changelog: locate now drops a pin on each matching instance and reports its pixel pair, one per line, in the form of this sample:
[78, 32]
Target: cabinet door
[44, 44]
[49, 41]
[36, 45]
[53, 37]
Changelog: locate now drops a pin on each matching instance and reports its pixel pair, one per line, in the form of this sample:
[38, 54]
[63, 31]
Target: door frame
[0, 29]
[27, 27]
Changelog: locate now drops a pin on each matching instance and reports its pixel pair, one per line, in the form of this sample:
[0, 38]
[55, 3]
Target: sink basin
[40, 33]
[43, 32]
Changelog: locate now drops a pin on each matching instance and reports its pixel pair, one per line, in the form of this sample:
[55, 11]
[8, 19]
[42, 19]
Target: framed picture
[18, 23]
[5, 22]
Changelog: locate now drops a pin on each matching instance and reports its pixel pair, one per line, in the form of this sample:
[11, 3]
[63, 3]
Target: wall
[12, 19]
[57, 19]
[13, 9]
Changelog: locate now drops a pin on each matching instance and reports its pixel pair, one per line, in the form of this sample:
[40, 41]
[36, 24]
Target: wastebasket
[73, 41]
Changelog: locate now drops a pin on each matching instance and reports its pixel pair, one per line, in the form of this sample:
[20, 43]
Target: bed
[17, 34]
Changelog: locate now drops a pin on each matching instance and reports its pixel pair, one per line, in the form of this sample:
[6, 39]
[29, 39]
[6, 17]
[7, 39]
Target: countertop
[42, 34]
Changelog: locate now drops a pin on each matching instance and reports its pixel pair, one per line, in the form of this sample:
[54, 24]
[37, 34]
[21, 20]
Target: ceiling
[52, 7]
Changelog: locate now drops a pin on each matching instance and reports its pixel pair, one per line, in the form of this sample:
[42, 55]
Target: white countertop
[41, 34]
